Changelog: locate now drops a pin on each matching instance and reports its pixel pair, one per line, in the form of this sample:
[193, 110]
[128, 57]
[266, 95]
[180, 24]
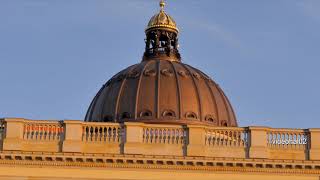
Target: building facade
[157, 119]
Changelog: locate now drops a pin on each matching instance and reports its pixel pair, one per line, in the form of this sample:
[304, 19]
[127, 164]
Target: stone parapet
[72, 136]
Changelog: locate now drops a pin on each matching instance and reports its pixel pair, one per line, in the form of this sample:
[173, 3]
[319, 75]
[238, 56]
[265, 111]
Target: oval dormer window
[145, 114]
[169, 114]
[191, 115]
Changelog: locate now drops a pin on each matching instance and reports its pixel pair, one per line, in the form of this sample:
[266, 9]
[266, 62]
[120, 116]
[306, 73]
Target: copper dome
[161, 89]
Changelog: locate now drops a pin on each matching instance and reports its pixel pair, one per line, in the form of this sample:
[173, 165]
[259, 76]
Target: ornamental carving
[167, 72]
[150, 72]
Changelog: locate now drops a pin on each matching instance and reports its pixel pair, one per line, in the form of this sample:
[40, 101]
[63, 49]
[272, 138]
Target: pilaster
[73, 136]
[14, 134]
[134, 138]
[258, 142]
[196, 140]
[314, 152]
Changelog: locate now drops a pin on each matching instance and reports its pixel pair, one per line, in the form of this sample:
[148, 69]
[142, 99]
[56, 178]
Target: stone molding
[160, 162]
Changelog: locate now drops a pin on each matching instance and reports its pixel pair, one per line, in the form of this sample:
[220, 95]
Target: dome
[162, 91]
[162, 20]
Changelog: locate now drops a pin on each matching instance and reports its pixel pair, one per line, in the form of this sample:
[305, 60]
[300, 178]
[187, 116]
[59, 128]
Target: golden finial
[162, 4]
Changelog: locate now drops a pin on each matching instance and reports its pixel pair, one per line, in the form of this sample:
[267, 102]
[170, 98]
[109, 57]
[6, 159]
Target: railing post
[133, 142]
[314, 144]
[73, 136]
[196, 140]
[14, 135]
[258, 142]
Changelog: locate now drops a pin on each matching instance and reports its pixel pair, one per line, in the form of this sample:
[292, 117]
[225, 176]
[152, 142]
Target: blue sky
[55, 55]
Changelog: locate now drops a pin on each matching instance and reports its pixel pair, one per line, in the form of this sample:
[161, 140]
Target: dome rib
[228, 106]
[158, 90]
[93, 103]
[197, 91]
[138, 89]
[120, 91]
[103, 104]
[224, 102]
[214, 100]
[178, 89]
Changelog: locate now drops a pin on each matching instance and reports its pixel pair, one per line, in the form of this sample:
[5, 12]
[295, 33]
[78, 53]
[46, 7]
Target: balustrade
[43, 131]
[231, 137]
[111, 133]
[165, 135]
[287, 139]
[158, 139]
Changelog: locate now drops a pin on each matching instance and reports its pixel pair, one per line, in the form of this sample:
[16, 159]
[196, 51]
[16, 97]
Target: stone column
[258, 142]
[314, 141]
[14, 135]
[73, 136]
[196, 140]
[133, 143]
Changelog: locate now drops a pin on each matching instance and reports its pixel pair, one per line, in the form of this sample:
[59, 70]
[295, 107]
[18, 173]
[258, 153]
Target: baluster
[207, 140]
[231, 139]
[25, 133]
[40, 130]
[114, 134]
[151, 135]
[235, 138]
[166, 136]
[181, 138]
[103, 134]
[282, 139]
[57, 132]
[35, 132]
[45, 128]
[301, 140]
[173, 133]
[87, 133]
[169, 136]
[269, 140]
[156, 135]
[147, 135]
[117, 134]
[160, 135]
[84, 133]
[241, 141]
[226, 138]
[213, 135]
[290, 135]
[177, 136]
[144, 135]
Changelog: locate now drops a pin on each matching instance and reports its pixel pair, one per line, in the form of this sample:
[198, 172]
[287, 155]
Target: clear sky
[56, 54]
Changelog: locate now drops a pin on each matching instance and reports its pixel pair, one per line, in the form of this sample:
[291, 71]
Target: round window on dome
[108, 118]
[169, 114]
[125, 115]
[211, 119]
[191, 115]
[145, 114]
[224, 123]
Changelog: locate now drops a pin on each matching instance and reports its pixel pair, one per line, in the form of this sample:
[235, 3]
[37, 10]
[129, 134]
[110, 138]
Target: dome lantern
[162, 37]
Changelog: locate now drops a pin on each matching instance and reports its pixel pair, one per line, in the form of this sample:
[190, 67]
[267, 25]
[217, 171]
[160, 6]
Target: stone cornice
[294, 167]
